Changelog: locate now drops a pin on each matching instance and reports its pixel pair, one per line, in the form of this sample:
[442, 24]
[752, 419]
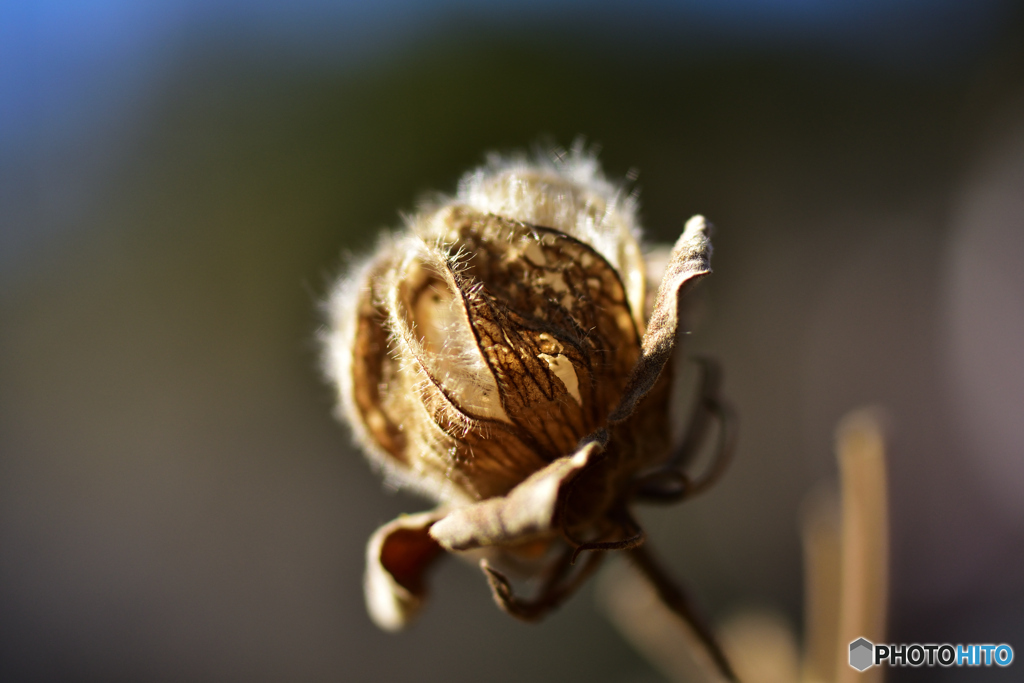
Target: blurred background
[180, 181]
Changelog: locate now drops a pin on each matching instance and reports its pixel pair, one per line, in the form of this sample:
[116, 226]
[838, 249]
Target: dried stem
[676, 599]
[846, 543]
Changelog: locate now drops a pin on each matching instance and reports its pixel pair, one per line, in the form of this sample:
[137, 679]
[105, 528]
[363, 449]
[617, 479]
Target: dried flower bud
[495, 357]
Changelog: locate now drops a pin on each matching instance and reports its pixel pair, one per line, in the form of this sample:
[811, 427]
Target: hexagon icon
[861, 654]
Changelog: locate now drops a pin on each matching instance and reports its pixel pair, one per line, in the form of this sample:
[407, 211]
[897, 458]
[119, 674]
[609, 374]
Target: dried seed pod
[494, 356]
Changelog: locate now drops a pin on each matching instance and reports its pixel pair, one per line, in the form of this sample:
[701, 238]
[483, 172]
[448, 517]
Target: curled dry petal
[397, 556]
[690, 260]
[529, 511]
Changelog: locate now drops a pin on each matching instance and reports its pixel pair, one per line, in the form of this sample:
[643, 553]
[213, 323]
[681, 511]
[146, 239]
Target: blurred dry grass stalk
[846, 549]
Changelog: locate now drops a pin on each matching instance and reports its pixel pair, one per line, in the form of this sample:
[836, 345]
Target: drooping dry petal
[397, 556]
[529, 511]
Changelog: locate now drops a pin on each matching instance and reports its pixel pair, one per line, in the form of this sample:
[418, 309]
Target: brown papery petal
[397, 556]
[528, 512]
[551, 319]
[454, 422]
[372, 369]
[690, 260]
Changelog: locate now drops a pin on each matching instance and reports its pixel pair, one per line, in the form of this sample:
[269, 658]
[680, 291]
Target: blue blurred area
[74, 77]
[62, 63]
